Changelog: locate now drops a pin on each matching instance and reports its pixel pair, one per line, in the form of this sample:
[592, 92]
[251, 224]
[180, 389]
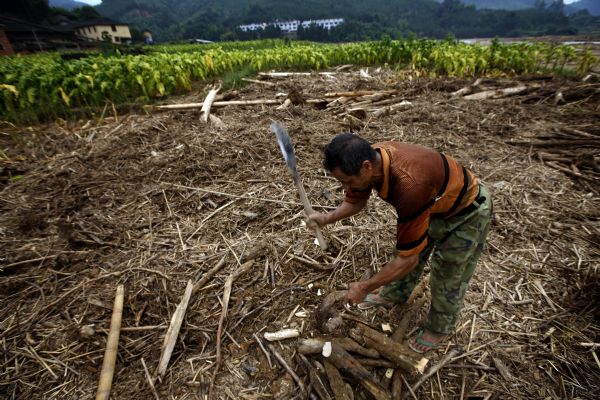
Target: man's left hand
[356, 292]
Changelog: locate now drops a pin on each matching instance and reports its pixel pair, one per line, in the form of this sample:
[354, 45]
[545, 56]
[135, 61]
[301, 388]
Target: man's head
[351, 160]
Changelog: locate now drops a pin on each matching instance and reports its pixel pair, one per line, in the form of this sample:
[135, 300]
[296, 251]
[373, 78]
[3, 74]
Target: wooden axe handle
[308, 209]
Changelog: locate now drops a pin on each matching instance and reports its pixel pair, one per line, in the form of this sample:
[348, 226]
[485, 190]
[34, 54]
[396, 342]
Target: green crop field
[44, 86]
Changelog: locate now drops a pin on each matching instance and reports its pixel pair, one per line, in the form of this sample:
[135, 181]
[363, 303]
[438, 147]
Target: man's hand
[316, 219]
[356, 292]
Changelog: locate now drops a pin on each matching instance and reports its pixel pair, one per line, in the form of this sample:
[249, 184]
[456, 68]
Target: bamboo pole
[112, 346]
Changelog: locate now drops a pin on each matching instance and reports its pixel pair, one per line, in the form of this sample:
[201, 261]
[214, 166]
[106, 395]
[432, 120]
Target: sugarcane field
[163, 251]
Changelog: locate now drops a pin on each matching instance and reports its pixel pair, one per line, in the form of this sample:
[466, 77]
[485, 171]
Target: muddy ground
[153, 200]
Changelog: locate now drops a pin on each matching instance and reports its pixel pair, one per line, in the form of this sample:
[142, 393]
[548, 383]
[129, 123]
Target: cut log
[265, 83]
[336, 382]
[347, 365]
[208, 101]
[393, 107]
[290, 74]
[173, 332]
[390, 349]
[360, 93]
[407, 316]
[467, 89]
[185, 106]
[326, 310]
[498, 93]
[315, 346]
[315, 379]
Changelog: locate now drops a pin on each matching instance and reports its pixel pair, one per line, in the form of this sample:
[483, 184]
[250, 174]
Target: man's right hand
[316, 219]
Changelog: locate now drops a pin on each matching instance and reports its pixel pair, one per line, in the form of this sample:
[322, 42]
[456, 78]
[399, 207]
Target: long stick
[226, 295]
[173, 332]
[449, 356]
[112, 346]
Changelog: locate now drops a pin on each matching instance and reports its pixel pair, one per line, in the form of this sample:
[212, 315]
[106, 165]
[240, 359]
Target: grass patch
[233, 79]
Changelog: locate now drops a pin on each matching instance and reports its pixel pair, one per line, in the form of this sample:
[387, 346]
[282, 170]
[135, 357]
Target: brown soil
[152, 201]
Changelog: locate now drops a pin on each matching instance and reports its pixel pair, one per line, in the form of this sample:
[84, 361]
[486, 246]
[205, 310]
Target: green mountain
[218, 19]
[592, 6]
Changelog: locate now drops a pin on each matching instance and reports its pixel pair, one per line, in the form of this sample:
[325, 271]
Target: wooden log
[390, 349]
[218, 104]
[112, 347]
[397, 385]
[347, 365]
[208, 101]
[326, 309]
[407, 316]
[315, 346]
[173, 332]
[467, 89]
[315, 379]
[265, 83]
[336, 382]
[498, 93]
[291, 74]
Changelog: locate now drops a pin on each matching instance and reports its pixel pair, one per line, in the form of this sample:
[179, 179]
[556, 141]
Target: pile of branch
[529, 92]
[572, 151]
[360, 104]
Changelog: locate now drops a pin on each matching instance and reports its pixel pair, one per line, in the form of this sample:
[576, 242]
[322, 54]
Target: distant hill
[218, 19]
[592, 6]
[500, 4]
[66, 4]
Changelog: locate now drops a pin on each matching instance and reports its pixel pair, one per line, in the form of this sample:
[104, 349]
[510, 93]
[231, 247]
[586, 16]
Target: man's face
[359, 182]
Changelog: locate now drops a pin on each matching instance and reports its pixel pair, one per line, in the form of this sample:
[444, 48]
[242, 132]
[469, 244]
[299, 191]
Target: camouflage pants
[456, 244]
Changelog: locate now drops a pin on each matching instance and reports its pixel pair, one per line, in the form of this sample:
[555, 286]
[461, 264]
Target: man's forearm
[344, 210]
[396, 269]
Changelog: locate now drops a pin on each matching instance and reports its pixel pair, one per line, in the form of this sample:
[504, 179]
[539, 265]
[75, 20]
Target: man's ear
[367, 165]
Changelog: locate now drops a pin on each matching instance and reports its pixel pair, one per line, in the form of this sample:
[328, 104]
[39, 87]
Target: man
[442, 211]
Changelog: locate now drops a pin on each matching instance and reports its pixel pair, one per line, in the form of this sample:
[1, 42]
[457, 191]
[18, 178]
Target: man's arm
[344, 210]
[396, 269]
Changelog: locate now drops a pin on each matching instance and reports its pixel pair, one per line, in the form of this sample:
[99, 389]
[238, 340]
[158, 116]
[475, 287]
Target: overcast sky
[95, 2]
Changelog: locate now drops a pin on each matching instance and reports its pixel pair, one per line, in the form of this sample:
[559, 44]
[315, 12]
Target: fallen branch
[207, 276]
[285, 365]
[112, 347]
[498, 93]
[208, 101]
[173, 333]
[467, 89]
[226, 295]
[435, 368]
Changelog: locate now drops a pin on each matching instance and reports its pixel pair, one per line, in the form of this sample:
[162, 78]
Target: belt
[479, 200]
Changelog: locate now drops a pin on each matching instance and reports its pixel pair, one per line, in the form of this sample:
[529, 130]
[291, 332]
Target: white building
[292, 26]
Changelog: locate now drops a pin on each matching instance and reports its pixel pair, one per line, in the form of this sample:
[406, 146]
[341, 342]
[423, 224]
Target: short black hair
[348, 151]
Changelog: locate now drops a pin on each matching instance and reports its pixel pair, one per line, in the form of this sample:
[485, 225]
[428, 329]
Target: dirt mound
[152, 201]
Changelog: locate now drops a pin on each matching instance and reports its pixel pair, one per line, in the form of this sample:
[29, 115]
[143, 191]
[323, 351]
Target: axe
[287, 149]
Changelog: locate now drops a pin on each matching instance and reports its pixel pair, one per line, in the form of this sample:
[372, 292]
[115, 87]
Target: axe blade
[286, 146]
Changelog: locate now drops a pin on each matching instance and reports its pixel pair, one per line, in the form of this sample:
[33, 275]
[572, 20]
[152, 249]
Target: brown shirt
[413, 182]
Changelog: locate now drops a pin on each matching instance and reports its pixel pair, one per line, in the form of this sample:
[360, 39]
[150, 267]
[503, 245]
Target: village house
[98, 30]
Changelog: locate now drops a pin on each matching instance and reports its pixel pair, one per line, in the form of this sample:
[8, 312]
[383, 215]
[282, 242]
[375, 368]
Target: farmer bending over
[442, 210]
